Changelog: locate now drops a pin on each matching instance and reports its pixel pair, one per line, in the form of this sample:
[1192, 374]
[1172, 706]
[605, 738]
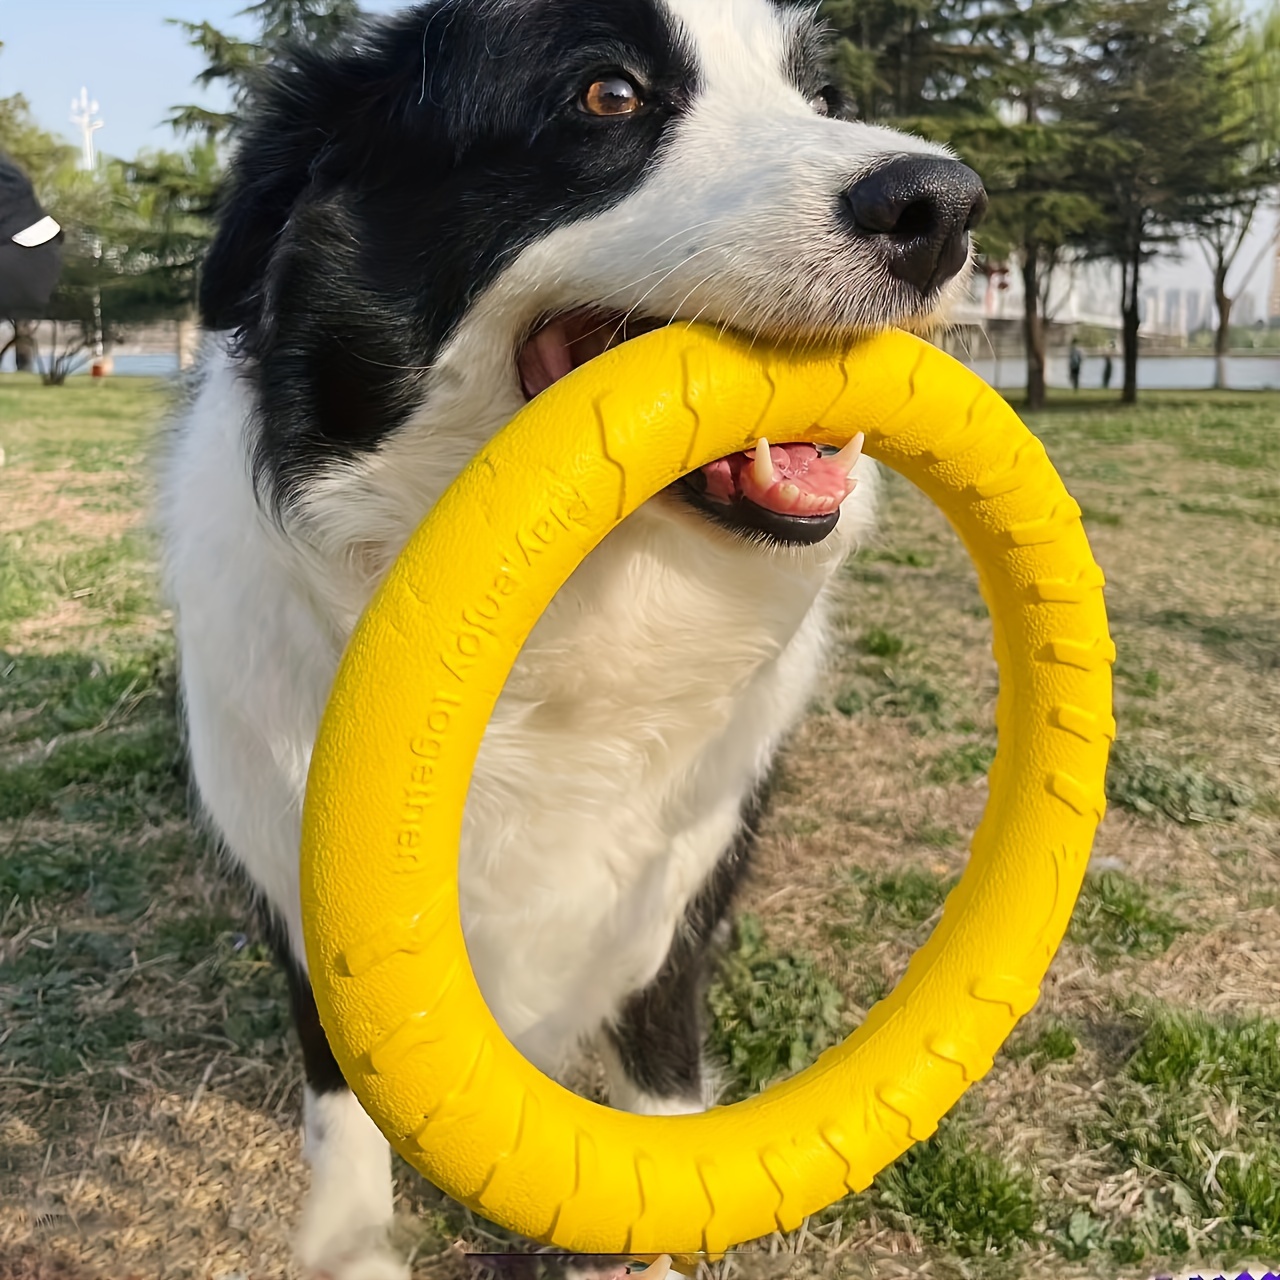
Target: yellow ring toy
[419, 680]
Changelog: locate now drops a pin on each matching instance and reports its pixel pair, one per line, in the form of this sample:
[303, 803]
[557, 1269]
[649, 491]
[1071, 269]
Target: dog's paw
[374, 1261]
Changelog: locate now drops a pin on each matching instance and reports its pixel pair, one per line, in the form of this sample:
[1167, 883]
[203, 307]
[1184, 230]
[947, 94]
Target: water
[158, 366]
[1155, 373]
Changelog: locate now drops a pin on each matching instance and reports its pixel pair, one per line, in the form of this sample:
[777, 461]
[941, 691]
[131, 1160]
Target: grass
[774, 1011]
[949, 1192]
[149, 1087]
[1116, 917]
[1198, 1107]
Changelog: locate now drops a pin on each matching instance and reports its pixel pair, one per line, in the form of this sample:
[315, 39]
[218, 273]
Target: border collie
[424, 229]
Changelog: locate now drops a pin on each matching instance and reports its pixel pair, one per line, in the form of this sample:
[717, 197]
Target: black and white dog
[424, 230]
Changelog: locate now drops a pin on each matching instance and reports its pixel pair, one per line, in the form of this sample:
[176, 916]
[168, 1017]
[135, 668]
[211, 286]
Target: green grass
[1116, 917]
[1150, 784]
[872, 905]
[963, 763]
[1053, 1041]
[948, 1191]
[774, 1011]
[89, 424]
[881, 643]
[1198, 1108]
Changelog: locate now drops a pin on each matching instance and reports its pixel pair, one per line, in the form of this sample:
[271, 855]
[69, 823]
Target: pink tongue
[804, 481]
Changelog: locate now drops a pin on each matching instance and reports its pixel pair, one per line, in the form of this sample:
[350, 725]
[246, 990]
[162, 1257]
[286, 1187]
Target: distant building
[1273, 299]
[1245, 311]
[1198, 314]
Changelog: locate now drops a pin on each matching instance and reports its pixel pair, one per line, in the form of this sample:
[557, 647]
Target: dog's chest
[641, 712]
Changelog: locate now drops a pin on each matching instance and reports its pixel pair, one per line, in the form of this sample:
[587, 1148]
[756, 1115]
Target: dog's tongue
[794, 480]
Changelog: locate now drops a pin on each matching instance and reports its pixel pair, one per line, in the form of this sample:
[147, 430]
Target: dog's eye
[824, 102]
[611, 96]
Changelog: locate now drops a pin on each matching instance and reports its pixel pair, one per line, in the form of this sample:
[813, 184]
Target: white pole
[84, 114]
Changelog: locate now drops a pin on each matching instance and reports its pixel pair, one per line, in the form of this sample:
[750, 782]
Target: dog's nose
[920, 210]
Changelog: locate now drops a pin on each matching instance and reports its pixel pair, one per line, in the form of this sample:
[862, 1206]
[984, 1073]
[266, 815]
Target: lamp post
[84, 115]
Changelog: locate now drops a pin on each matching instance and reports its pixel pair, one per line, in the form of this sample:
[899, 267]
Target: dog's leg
[653, 1050]
[343, 1234]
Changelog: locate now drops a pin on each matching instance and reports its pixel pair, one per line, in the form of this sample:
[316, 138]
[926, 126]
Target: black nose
[919, 209]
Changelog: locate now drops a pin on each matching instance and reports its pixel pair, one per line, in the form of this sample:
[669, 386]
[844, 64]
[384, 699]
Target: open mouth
[787, 493]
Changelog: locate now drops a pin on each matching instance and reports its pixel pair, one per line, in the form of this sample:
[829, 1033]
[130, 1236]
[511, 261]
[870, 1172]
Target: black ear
[276, 158]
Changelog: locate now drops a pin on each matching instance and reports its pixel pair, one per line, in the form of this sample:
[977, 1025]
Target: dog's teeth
[762, 467]
[789, 493]
[849, 455]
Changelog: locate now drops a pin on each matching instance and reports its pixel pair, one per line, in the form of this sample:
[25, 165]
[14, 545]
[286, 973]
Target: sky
[137, 67]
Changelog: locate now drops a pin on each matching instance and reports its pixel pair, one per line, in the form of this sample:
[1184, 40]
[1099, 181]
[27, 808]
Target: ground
[149, 1086]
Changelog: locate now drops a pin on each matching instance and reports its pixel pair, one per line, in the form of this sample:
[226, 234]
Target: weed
[912, 559]
[948, 1191]
[939, 837]
[1155, 787]
[908, 697]
[1198, 1108]
[963, 763]
[1053, 1042]
[849, 702]
[1144, 683]
[1181, 1051]
[774, 1012]
[1115, 917]
[880, 643]
[1097, 516]
[901, 900]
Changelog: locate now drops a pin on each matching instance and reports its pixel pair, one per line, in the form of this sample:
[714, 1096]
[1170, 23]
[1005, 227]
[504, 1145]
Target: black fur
[380, 188]
[659, 1033]
[321, 1067]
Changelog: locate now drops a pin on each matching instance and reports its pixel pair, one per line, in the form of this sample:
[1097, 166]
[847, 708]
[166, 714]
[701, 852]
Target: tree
[1026, 152]
[906, 59]
[166, 202]
[236, 63]
[1220, 214]
[1143, 105]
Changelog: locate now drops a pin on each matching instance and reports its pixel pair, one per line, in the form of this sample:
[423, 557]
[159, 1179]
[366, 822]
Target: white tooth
[849, 455]
[789, 493]
[762, 467]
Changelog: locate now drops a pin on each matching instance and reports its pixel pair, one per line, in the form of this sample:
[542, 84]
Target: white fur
[652, 694]
[344, 1225]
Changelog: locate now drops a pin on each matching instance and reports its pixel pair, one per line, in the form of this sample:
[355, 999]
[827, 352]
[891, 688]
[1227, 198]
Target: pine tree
[1146, 104]
[236, 63]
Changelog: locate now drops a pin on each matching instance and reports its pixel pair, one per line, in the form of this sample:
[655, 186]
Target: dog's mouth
[787, 493]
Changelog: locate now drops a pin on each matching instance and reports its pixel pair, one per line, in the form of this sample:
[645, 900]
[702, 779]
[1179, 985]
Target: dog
[425, 228]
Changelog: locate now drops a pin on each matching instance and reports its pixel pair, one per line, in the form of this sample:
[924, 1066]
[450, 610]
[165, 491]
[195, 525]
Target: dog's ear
[274, 165]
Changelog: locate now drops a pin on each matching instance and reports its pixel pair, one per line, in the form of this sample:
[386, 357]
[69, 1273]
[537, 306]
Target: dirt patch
[65, 498]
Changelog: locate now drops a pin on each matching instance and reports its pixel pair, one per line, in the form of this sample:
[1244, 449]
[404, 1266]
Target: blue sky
[137, 67]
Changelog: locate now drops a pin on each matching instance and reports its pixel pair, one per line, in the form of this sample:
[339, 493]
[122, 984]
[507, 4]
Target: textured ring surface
[418, 683]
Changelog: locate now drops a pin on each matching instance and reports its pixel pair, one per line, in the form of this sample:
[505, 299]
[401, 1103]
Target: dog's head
[432, 224]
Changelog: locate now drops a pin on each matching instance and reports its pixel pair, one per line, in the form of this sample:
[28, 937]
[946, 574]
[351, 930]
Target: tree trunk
[1033, 325]
[24, 345]
[1130, 318]
[188, 338]
[1222, 339]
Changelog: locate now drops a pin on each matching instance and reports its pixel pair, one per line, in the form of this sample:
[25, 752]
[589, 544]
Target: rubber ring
[418, 683]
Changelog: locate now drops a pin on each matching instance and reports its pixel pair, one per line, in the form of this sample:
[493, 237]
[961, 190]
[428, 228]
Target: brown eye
[821, 103]
[612, 96]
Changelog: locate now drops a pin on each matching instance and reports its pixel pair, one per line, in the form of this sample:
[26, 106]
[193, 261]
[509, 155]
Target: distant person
[1106, 371]
[30, 255]
[1074, 362]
